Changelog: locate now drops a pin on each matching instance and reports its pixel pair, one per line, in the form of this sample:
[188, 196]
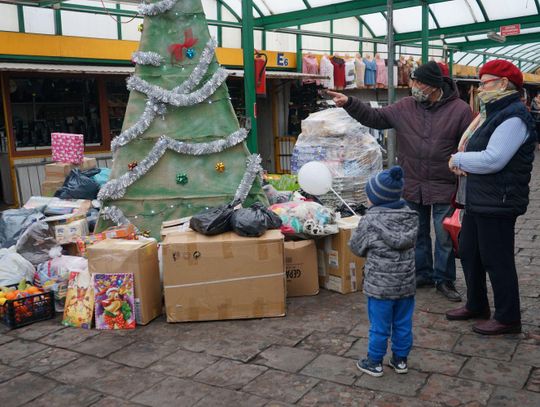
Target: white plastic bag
[14, 267]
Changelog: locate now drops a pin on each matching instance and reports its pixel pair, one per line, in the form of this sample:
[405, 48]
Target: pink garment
[382, 72]
[310, 65]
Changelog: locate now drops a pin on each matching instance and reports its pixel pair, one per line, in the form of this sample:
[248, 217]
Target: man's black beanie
[429, 74]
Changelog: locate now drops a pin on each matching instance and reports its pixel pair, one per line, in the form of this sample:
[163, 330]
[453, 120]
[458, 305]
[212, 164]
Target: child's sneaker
[370, 367]
[399, 364]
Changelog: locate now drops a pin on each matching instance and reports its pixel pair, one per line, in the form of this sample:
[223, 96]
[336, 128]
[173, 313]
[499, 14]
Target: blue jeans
[444, 268]
[390, 318]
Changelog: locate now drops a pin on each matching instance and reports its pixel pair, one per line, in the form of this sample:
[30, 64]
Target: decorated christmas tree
[181, 149]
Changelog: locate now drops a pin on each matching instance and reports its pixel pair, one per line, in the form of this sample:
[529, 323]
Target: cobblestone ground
[306, 359]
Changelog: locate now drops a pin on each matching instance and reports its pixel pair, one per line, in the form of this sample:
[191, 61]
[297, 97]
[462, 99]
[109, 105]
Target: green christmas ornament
[181, 178]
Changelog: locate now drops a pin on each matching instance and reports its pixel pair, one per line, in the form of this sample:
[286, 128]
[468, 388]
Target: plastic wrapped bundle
[348, 149]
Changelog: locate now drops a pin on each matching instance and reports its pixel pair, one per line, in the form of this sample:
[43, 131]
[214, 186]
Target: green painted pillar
[20, 17]
[219, 28]
[249, 73]
[263, 40]
[451, 63]
[361, 35]
[298, 52]
[57, 22]
[118, 24]
[484, 59]
[425, 31]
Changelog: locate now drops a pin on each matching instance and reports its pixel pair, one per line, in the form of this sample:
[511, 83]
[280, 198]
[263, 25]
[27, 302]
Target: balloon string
[341, 199]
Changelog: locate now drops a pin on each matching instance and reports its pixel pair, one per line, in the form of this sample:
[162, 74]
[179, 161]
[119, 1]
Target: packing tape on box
[227, 250]
[228, 311]
[228, 280]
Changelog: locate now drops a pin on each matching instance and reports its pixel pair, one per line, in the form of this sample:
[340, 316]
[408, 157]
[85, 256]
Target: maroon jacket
[426, 136]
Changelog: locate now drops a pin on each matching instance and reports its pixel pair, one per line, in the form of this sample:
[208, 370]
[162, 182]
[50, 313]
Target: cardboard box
[223, 277]
[49, 188]
[175, 226]
[339, 269]
[301, 268]
[70, 232]
[132, 256]
[59, 171]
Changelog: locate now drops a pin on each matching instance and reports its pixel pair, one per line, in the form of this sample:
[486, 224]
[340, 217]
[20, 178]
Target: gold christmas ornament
[220, 167]
[140, 27]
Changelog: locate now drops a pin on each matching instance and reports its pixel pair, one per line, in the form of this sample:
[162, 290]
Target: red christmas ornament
[132, 165]
[177, 50]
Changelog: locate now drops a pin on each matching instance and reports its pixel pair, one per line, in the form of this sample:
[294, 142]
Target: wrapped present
[67, 147]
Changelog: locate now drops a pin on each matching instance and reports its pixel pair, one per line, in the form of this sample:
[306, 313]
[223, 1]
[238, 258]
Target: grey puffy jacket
[386, 237]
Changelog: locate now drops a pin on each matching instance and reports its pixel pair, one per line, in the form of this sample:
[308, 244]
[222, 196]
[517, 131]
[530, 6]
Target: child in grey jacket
[386, 236]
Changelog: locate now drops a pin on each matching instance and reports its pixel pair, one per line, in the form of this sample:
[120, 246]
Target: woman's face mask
[419, 95]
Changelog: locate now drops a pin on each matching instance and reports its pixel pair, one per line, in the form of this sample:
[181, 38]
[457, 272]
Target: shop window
[117, 98]
[41, 106]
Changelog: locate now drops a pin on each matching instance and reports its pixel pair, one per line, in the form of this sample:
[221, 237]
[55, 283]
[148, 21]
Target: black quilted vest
[505, 193]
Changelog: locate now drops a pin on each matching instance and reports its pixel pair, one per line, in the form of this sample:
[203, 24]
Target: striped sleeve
[503, 144]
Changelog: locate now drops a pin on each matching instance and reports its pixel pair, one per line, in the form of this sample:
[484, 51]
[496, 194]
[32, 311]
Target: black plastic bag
[13, 223]
[254, 221]
[79, 185]
[214, 220]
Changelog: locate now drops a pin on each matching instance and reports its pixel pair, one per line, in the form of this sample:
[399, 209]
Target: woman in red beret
[494, 162]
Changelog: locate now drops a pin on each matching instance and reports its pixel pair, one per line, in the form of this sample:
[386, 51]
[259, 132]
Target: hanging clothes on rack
[350, 74]
[360, 68]
[382, 72]
[403, 71]
[310, 65]
[339, 72]
[327, 69]
[371, 71]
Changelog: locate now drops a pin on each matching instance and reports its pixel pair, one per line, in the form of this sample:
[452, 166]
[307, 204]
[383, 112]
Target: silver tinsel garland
[173, 97]
[116, 188]
[147, 58]
[116, 215]
[156, 8]
[253, 168]
[150, 112]
[154, 109]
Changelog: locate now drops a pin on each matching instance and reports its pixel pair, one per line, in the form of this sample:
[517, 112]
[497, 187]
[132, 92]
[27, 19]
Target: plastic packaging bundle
[346, 147]
[36, 242]
[13, 223]
[14, 267]
[53, 275]
[305, 220]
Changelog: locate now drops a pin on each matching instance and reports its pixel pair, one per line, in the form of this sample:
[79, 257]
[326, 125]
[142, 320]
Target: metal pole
[451, 63]
[249, 73]
[391, 136]
[299, 52]
[425, 31]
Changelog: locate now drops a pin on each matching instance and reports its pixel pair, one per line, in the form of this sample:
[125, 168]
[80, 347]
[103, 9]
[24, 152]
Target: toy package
[114, 301]
[305, 219]
[79, 307]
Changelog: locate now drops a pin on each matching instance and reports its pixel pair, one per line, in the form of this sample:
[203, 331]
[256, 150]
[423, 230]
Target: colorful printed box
[67, 147]
[114, 301]
[79, 308]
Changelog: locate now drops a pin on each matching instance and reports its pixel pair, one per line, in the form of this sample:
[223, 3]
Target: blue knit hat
[386, 187]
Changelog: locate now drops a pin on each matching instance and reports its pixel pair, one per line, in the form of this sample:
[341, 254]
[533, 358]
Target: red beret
[444, 69]
[503, 69]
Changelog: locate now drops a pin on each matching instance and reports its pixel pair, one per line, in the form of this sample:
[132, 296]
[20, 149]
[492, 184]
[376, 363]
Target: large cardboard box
[132, 256]
[71, 232]
[339, 269]
[301, 268]
[58, 171]
[223, 277]
[49, 188]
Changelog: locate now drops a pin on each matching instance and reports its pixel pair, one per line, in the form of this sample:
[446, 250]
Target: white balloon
[315, 178]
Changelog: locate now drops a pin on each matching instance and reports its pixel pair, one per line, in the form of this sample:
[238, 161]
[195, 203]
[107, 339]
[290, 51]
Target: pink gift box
[67, 147]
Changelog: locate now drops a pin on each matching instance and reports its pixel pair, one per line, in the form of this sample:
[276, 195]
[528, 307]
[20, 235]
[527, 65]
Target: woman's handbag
[452, 224]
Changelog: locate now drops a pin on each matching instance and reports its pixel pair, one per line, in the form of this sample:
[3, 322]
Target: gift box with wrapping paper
[67, 147]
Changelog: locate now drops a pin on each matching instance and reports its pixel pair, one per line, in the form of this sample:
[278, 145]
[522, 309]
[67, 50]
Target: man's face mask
[419, 95]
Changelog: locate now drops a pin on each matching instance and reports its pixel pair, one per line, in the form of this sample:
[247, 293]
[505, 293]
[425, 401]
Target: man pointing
[428, 126]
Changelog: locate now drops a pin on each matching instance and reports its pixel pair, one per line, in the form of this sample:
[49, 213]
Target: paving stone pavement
[307, 358]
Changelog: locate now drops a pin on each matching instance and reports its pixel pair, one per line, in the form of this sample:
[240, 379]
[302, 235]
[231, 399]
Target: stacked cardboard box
[223, 277]
[339, 269]
[301, 268]
[139, 257]
[56, 173]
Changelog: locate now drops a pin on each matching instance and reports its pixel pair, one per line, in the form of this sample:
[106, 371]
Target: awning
[127, 70]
